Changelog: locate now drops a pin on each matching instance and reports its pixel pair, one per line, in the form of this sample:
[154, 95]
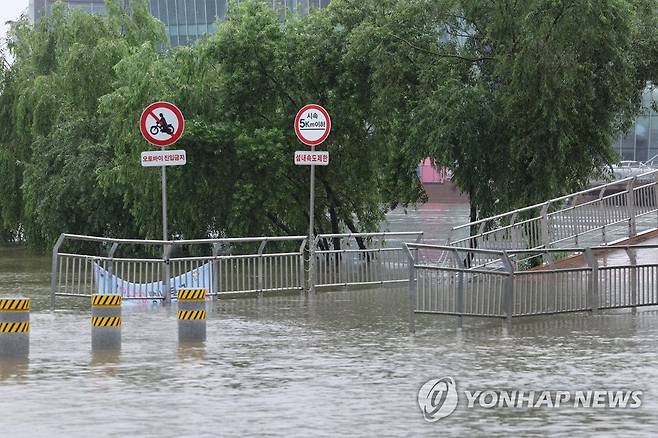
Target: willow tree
[521, 100]
[54, 142]
[240, 90]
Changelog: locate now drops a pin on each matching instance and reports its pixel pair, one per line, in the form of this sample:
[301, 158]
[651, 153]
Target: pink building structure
[430, 174]
[438, 185]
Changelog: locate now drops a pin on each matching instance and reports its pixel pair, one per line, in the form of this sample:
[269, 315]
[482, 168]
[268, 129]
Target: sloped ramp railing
[598, 216]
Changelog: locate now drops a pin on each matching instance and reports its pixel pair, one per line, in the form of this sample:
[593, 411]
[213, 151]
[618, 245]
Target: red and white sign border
[149, 111]
[299, 116]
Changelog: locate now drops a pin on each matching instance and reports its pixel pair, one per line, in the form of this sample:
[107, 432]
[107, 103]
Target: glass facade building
[39, 8]
[641, 142]
[185, 20]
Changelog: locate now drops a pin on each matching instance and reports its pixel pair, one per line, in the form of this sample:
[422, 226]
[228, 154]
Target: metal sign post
[312, 127]
[311, 233]
[162, 124]
[164, 203]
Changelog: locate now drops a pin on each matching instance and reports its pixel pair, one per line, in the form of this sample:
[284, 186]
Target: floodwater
[340, 364]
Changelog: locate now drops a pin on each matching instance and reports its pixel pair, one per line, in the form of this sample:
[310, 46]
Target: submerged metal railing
[160, 275]
[258, 267]
[505, 288]
[361, 259]
[597, 216]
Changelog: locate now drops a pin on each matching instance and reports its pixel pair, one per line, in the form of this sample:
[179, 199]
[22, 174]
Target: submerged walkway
[615, 256]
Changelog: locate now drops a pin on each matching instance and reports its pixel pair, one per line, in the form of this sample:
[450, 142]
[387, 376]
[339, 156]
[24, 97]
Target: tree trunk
[473, 229]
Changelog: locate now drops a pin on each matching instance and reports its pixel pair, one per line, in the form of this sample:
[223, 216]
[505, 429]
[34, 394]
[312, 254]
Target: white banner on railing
[107, 283]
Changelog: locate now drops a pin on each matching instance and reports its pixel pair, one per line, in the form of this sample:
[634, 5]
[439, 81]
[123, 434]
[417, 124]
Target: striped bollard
[105, 322]
[191, 315]
[14, 327]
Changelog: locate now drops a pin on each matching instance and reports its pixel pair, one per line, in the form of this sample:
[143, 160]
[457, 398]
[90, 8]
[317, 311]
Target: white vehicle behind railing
[629, 168]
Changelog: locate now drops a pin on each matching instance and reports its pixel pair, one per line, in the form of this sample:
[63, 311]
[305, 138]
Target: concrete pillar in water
[14, 328]
[105, 322]
[191, 315]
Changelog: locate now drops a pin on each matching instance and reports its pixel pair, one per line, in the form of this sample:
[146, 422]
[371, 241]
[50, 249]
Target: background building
[641, 143]
[185, 20]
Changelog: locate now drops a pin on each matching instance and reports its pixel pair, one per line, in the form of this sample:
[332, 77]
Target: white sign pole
[164, 203]
[312, 127]
[311, 231]
[166, 273]
[162, 124]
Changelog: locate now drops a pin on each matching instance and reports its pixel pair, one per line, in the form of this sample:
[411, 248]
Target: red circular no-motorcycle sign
[162, 124]
[312, 124]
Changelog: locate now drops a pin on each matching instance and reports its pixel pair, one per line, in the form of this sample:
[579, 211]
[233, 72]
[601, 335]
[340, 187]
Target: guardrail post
[215, 270]
[545, 235]
[53, 272]
[630, 203]
[548, 258]
[412, 289]
[460, 287]
[575, 221]
[508, 296]
[480, 233]
[166, 273]
[312, 279]
[655, 192]
[632, 257]
[514, 232]
[601, 212]
[261, 279]
[300, 266]
[545, 231]
[593, 288]
[110, 268]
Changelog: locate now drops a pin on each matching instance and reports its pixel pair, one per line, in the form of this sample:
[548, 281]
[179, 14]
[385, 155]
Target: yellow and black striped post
[14, 327]
[191, 315]
[105, 322]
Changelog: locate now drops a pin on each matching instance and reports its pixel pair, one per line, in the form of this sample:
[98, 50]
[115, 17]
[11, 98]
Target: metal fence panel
[592, 217]
[348, 261]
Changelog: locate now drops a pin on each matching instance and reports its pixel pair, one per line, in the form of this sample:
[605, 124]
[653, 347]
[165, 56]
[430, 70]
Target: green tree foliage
[240, 90]
[519, 99]
[55, 145]
[82, 81]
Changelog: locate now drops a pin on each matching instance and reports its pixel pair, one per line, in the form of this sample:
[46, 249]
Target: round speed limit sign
[312, 125]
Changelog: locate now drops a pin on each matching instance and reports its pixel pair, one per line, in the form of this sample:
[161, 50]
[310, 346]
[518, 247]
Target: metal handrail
[455, 248]
[380, 234]
[561, 198]
[532, 250]
[182, 242]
